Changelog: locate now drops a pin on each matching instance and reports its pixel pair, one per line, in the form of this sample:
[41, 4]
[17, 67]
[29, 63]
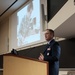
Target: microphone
[14, 51]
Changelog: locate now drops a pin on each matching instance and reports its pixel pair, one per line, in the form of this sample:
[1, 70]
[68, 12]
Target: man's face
[48, 35]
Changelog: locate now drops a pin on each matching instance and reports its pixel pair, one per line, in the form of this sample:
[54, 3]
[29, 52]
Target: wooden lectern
[18, 65]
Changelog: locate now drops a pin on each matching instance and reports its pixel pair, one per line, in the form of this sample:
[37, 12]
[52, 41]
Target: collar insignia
[48, 49]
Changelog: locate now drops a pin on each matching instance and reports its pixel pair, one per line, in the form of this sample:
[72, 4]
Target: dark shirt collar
[49, 41]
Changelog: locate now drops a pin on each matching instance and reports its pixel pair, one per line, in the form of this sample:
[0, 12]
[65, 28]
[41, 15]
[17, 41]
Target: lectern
[18, 65]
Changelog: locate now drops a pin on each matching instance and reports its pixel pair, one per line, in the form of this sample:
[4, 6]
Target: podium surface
[16, 65]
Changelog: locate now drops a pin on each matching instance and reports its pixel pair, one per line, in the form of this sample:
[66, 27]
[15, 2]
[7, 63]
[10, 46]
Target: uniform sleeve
[55, 53]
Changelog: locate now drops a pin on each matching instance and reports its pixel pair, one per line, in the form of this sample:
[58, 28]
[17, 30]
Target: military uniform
[52, 55]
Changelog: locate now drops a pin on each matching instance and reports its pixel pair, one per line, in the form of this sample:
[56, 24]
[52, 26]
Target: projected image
[28, 28]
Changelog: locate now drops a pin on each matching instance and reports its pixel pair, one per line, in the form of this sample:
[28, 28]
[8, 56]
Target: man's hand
[41, 57]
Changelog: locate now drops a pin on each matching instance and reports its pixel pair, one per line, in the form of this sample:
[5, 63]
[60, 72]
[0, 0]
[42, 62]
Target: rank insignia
[48, 49]
[47, 53]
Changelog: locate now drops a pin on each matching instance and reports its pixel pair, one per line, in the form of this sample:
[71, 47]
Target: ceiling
[67, 29]
[7, 7]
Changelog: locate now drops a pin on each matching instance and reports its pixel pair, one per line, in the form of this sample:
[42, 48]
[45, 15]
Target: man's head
[49, 34]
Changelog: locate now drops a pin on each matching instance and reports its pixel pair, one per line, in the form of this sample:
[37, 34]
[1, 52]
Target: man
[51, 53]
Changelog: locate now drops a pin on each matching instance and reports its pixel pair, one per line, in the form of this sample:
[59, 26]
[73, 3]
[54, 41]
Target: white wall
[63, 72]
[4, 27]
[64, 13]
